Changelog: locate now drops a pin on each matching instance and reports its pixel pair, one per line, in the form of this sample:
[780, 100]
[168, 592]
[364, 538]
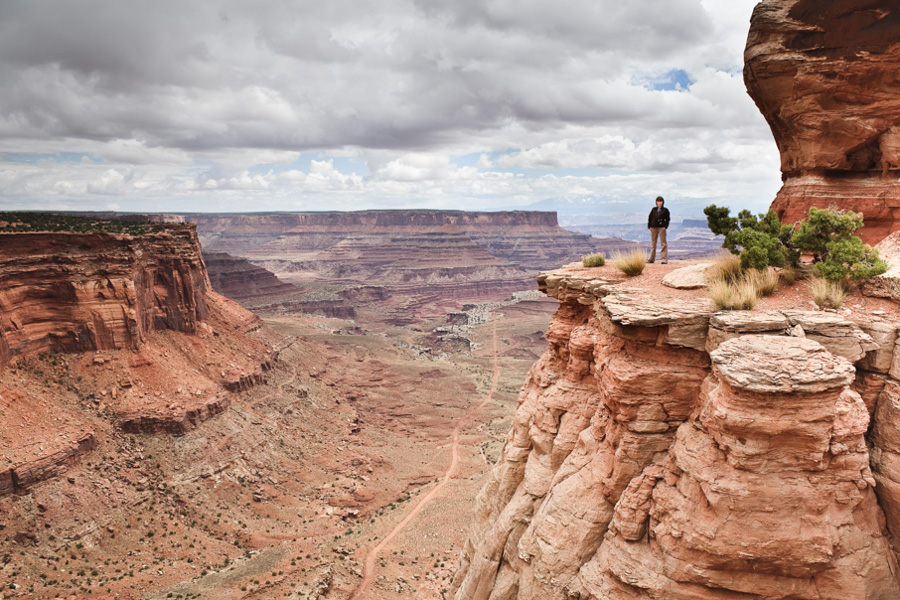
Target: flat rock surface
[632, 308]
[767, 364]
[749, 321]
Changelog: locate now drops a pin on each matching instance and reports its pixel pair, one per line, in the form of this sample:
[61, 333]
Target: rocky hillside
[661, 450]
[397, 265]
[823, 75]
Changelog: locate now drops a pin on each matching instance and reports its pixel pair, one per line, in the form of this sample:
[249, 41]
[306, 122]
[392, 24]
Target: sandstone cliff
[97, 291]
[153, 348]
[824, 76]
[660, 450]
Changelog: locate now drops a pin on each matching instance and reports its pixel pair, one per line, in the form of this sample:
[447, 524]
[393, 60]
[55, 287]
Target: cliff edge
[662, 450]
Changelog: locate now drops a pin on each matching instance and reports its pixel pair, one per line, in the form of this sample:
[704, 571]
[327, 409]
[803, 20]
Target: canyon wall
[824, 75]
[96, 291]
[661, 450]
[396, 265]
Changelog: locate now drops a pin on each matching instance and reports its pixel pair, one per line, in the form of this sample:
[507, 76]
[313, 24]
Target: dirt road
[464, 421]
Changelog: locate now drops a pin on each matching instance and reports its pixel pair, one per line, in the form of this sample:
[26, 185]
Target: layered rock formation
[399, 265]
[824, 76]
[96, 291]
[109, 299]
[242, 281]
[661, 450]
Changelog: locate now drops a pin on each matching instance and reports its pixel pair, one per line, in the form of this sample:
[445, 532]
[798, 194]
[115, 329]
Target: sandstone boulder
[687, 278]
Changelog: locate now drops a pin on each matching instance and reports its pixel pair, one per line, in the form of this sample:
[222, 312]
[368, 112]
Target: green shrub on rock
[761, 241]
[837, 252]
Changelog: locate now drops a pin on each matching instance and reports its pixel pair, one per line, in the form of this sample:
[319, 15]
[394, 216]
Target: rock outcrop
[824, 76]
[662, 450]
[96, 291]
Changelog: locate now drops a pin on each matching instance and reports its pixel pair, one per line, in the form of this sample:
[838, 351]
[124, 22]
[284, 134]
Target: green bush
[827, 234]
[761, 241]
[837, 252]
[593, 260]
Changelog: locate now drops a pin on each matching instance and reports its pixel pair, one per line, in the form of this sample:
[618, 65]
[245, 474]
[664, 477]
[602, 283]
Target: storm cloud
[350, 104]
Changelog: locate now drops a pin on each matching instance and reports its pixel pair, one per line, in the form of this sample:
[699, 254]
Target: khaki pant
[658, 232]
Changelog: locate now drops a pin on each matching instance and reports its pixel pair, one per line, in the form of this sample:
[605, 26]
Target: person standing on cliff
[657, 223]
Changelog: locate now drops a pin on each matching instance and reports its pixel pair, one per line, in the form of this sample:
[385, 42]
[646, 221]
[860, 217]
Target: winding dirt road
[464, 421]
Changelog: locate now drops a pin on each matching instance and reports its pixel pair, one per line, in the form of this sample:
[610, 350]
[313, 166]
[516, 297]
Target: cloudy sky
[346, 104]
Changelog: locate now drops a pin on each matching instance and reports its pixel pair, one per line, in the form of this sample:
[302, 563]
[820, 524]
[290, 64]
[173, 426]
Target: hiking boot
[665, 262]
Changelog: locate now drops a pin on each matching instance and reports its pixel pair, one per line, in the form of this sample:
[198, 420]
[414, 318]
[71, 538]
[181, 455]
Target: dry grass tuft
[765, 282]
[741, 295]
[632, 262]
[789, 275]
[593, 260]
[725, 267]
[827, 294]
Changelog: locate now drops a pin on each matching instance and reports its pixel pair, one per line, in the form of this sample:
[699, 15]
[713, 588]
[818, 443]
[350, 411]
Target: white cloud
[190, 105]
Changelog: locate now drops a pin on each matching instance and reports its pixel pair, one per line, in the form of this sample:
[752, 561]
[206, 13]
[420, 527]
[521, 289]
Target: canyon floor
[349, 473]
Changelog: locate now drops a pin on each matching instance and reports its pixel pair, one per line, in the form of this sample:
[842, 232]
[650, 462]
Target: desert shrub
[827, 293]
[631, 262]
[21, 221]
[737, 295]
[725, 267]
[593, 260]
[760, 241]
[837, 252]
[765, 282]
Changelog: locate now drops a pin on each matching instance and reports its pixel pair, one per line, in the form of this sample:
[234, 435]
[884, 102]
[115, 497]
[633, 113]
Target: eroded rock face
[824, 75]
[95, 291]
[684, 454]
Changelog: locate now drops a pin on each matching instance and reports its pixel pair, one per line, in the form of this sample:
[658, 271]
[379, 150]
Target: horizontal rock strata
[662, 450]
[824, 76]
[94, 291]
[399, 266]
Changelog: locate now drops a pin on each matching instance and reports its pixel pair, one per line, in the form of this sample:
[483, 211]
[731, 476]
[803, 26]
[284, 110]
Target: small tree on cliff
[761, 241]
[837, 252]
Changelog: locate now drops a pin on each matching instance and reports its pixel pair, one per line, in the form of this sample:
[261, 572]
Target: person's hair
[660, 199]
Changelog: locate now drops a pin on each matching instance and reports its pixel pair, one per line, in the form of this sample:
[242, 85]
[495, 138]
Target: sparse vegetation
[828, 234]
[23, 221]
[593, 260]
[733, 288]
[826, 293]
[632, 262]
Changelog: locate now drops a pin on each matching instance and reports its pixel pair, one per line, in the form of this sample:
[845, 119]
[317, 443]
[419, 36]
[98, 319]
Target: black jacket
[659, 217]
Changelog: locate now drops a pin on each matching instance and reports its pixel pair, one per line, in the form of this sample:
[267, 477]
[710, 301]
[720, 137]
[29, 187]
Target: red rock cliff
[824, 73]
[663, 451]
[97, 291]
